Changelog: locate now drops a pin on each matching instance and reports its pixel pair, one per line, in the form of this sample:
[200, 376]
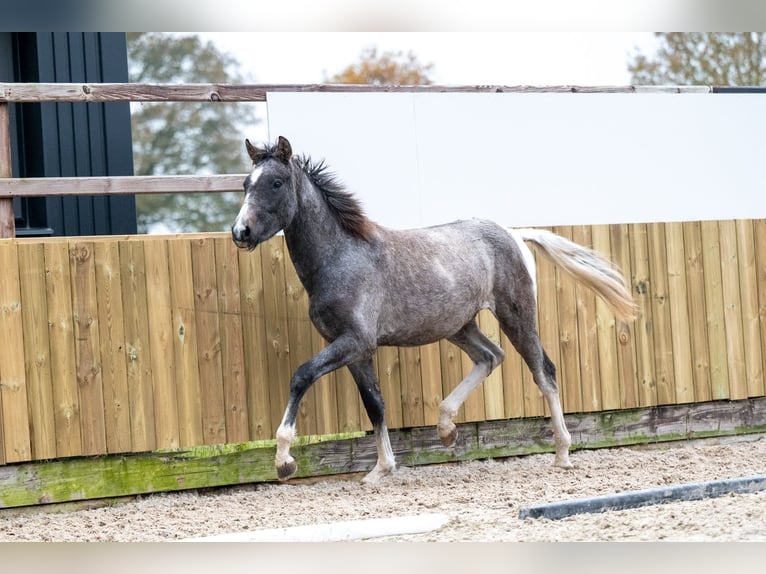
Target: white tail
[586, 266]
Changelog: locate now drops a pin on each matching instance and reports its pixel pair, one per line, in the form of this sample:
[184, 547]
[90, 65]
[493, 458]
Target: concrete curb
[337, 531]
[638, 498]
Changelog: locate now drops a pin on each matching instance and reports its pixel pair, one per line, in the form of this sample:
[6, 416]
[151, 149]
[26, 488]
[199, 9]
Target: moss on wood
[87, 478]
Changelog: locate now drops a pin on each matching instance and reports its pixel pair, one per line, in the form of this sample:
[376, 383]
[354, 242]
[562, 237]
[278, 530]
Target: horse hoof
[449, 438]
[564, 464]
[376, 474]
[287, 469]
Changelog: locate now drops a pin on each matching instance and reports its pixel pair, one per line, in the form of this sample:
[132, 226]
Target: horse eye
[276, 184]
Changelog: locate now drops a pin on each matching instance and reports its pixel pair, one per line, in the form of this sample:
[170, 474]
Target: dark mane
[346, 208]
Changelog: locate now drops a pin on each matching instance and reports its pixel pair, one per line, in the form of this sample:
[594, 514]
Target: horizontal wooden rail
[50, 92]
[46, 186]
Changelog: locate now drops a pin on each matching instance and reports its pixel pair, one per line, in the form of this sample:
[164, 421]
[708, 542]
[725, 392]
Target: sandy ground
[481, 498]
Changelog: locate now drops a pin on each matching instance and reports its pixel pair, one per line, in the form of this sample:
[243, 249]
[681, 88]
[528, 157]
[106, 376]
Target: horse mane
[346, 208]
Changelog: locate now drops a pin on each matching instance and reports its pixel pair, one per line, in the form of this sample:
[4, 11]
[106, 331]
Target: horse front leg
[339, 353]
[369, 388]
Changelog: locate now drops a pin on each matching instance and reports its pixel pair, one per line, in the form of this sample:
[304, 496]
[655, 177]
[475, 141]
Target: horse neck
[314, 235]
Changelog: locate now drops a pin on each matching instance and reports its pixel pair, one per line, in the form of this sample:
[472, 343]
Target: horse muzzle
[242, 237]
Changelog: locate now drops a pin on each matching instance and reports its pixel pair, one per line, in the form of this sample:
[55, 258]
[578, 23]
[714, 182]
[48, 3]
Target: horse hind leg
[486, 355]
[520, 329]
[369, 388]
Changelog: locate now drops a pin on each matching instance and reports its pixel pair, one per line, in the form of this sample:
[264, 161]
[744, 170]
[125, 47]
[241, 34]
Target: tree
[703, 58]
[390, 67]
[185, 138]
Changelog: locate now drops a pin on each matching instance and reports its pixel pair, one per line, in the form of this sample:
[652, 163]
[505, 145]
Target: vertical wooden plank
[326, 396]
[647, 386]
[111, 325]
[277, 335]
[137, 348]
[716, 329]
[606, 332]
[299, 326]
[7, 217]
[387, 362]
[683, 373]
[13, 382]
[474, 404]
[661, 320]
[569, 365]
[208, 340]
[37, 350]
[494, 402]
[732, 309]
[2, 434]
[695, 286]
[61, 338]
[412, 387]
[513, 386]
[87, 347]
[590, 380]
[232, 348]
[254, 336]
[161, 337]
[619, 236]
[430, 369]
[750, 320]
[759, 230]
[350, 412]
[451, 358]
[183, 346]
[547, 318]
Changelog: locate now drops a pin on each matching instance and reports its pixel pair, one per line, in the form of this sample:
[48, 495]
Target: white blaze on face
[241, 222]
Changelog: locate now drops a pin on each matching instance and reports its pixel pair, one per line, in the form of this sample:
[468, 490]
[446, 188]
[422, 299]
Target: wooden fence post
[7, 220]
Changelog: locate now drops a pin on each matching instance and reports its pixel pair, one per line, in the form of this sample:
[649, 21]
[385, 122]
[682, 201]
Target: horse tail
[587, 267]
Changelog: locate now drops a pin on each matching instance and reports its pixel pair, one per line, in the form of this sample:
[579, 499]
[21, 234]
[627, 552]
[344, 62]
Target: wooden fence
[133, 344]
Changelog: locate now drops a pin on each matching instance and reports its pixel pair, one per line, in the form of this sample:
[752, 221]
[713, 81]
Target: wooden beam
[117, 185]
[106, 92]
[82, 478]
[7, 218]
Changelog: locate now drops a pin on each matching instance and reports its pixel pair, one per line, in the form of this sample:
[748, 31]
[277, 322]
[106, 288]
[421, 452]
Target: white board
[536, 159]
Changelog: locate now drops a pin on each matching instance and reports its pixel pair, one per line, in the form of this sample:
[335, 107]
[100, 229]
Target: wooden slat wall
[132, 344]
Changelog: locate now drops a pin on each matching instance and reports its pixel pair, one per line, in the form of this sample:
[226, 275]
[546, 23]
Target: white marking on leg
[561, 437]
[386, 461]
[285, 437]
[450, 405]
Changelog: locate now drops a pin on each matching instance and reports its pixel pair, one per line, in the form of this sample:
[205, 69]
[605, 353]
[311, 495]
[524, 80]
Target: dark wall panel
[72, 139]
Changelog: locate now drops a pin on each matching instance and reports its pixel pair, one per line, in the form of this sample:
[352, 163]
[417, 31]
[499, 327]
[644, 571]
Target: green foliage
[186, 138]
[703, 58]
[387, 68]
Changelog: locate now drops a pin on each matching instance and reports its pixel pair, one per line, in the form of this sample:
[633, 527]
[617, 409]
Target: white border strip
[337, 531]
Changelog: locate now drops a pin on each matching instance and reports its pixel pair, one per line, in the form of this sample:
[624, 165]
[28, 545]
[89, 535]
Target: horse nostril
[240, 232]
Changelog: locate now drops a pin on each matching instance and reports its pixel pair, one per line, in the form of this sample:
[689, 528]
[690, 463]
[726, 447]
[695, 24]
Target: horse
[369, 286]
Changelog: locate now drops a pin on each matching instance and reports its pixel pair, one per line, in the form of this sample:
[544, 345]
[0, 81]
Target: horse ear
[255, 154]
[284, 150]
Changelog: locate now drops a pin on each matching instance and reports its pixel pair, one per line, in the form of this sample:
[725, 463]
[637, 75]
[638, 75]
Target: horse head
[270, 195]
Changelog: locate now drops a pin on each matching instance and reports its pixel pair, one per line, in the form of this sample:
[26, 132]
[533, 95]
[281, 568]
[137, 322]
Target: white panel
[368, 140]
[537, 159]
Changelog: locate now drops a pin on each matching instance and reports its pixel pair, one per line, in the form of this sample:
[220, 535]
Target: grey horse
[371, 286]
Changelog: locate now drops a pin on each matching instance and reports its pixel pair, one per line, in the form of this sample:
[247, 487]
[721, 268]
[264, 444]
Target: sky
[458, 58]
[508, 58]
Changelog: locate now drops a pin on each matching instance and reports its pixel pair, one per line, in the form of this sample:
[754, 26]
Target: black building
[69, 139]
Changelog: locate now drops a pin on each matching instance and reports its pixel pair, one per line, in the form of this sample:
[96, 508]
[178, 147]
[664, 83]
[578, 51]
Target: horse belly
[432, 318]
